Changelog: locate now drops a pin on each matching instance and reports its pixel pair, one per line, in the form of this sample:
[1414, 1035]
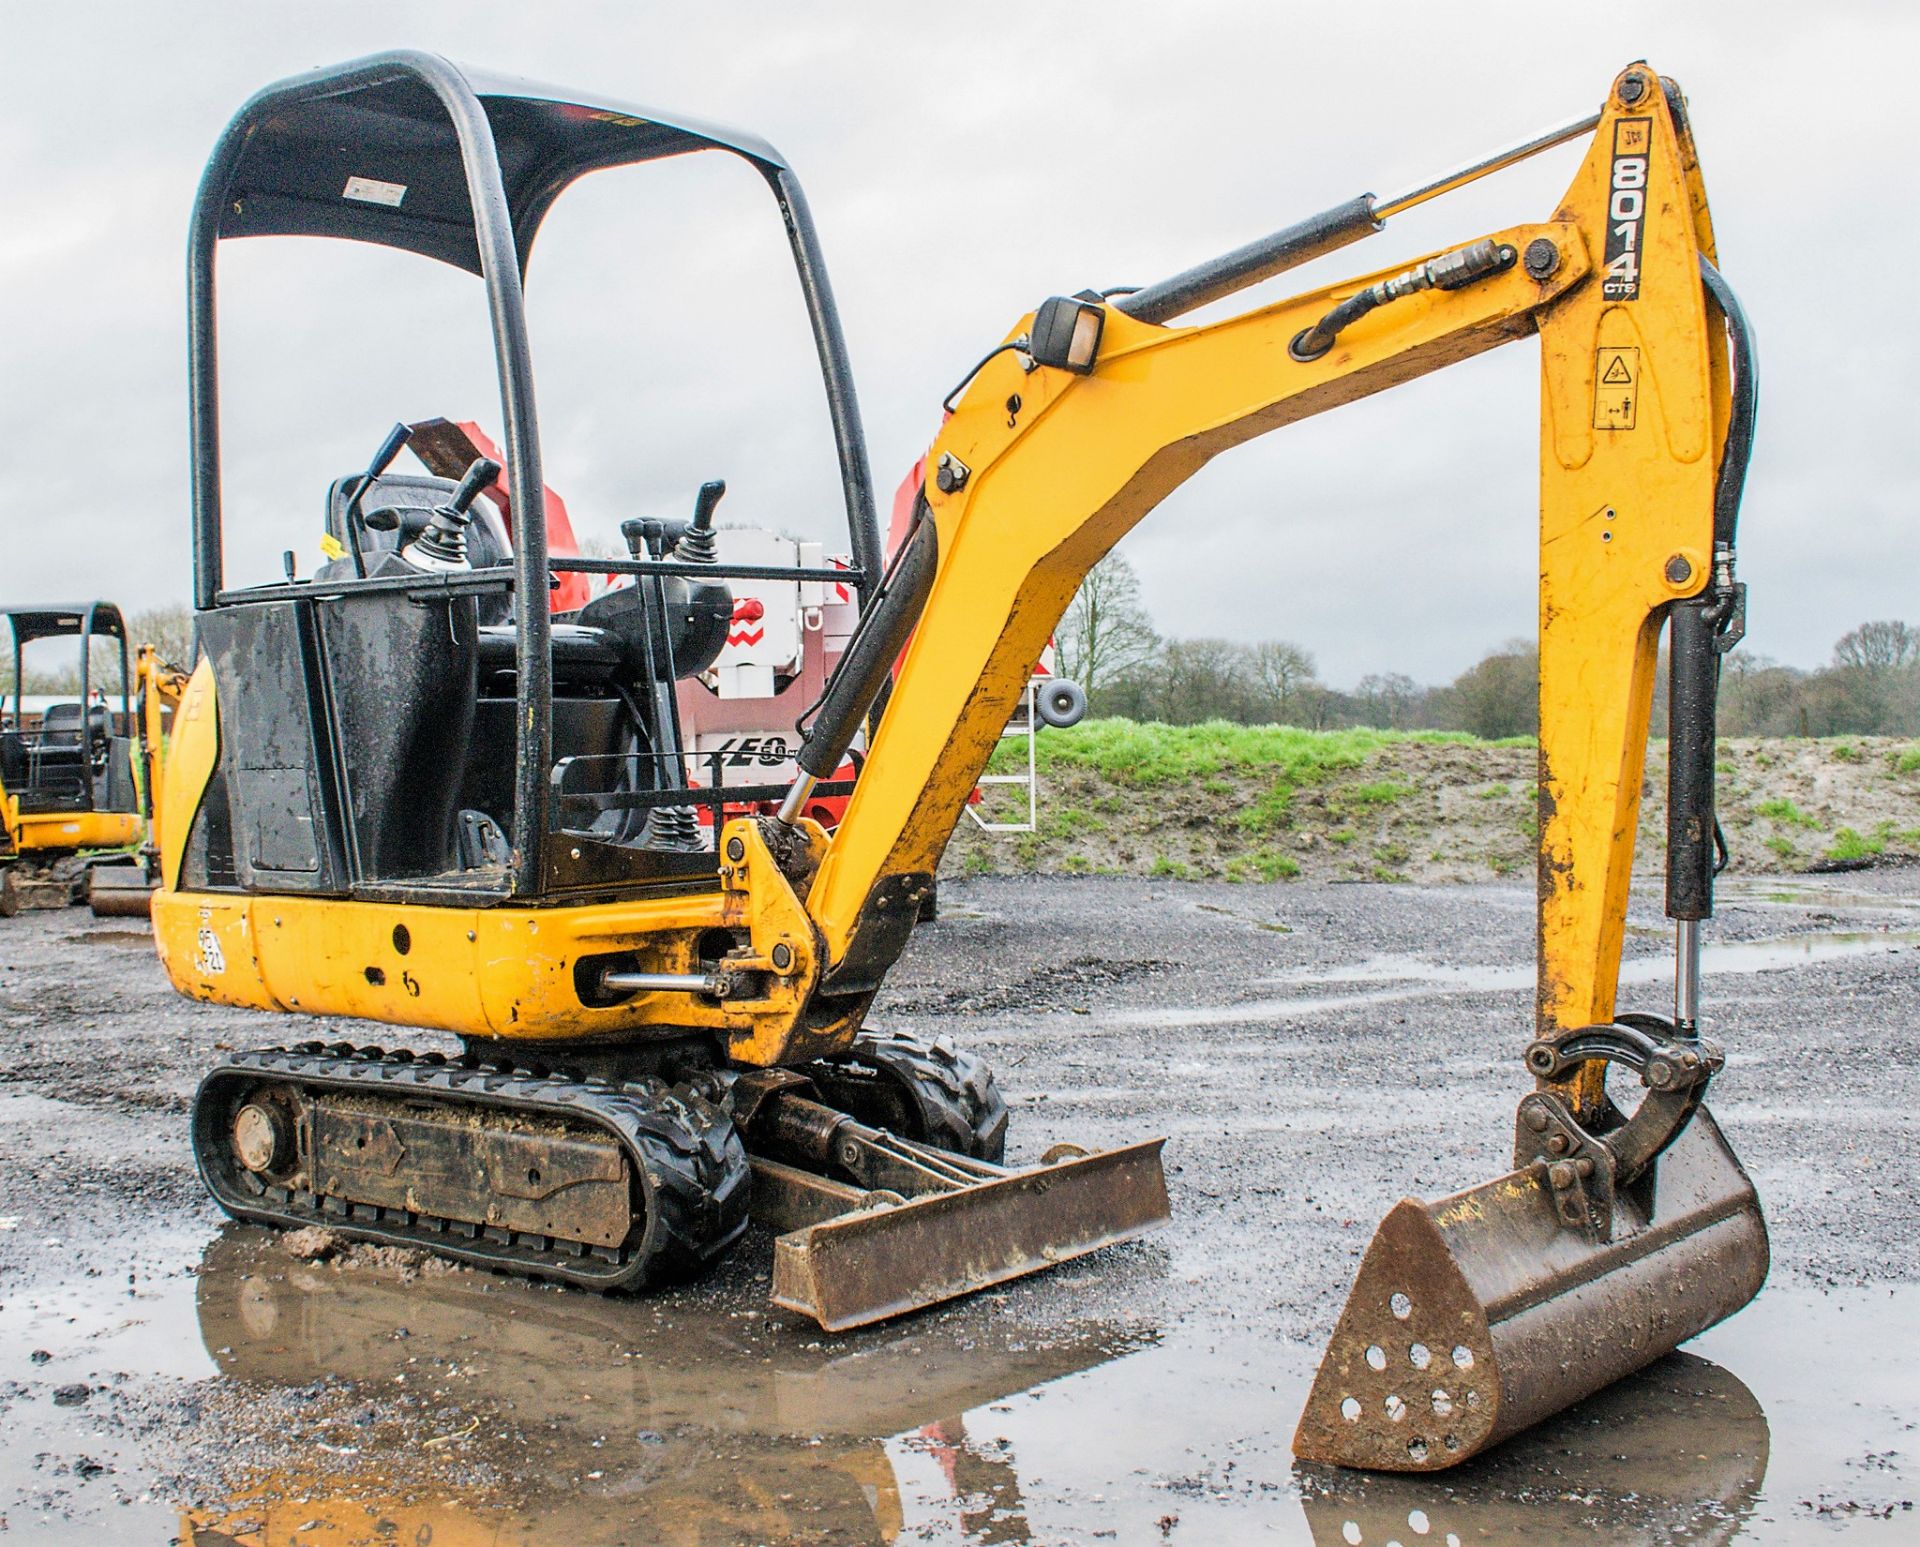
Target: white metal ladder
[1022, 724]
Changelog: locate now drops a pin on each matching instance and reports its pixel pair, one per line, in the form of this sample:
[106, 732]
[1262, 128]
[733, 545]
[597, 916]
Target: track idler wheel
[1613, 1241]
[931, 1092]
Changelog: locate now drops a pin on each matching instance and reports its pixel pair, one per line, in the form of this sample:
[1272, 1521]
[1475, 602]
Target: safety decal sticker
[1627, 209]
[1616, 388]
[374, 190]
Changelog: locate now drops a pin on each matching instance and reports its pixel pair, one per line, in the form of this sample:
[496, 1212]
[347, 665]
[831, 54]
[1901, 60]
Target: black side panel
[114, 791]
[272, 755]
[401, 674]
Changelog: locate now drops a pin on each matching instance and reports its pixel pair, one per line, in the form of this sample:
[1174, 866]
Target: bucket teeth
[1477, 1315]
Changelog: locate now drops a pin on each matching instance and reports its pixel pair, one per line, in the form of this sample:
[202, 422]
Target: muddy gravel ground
[1312, 1053]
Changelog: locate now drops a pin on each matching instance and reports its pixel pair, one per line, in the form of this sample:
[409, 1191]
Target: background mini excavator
[68, 796]
[406, 790]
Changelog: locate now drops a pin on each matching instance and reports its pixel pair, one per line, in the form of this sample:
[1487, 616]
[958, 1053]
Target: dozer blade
[119, 891]
[888, 1258]
[1477, 1315]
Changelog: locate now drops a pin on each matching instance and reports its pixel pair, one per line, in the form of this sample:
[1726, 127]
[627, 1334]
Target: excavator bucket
[1479, 1314]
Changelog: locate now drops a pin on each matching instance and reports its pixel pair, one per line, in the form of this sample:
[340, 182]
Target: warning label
[1616, 388]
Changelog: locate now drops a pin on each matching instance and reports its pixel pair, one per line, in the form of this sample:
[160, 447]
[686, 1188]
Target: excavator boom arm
[1042, 471]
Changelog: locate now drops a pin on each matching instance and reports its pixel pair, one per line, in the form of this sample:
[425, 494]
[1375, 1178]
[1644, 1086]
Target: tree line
[1108, 644]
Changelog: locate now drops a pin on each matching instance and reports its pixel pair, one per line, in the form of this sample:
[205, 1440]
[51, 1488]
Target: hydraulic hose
[1738, 451]
[1700, 630]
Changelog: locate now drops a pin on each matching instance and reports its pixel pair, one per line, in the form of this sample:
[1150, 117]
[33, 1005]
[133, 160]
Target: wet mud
[1314, 1054]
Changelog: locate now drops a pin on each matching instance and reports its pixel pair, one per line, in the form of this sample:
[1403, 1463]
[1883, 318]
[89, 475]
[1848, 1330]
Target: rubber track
[687, 1154]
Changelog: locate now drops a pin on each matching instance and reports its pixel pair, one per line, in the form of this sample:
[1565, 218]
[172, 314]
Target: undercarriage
[609, 1183]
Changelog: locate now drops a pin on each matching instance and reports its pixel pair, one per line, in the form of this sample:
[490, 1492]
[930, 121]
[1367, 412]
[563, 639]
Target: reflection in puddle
[1678, 1452]
[384, 1404]
[452, 1407]
[463, 1408]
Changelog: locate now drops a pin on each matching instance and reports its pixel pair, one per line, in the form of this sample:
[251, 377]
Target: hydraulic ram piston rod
[1318, 235]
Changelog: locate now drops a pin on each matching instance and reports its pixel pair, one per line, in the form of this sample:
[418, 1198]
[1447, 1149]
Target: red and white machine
[787, 636]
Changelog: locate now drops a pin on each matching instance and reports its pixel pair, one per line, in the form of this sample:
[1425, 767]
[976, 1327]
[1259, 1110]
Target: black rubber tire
[1061, 703]
[695, 1183]
[933, 1093]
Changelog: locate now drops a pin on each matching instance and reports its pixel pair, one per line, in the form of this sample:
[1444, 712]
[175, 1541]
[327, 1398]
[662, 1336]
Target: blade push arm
[1042, 471]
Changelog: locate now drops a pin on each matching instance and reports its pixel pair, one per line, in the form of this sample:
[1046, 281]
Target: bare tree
[1388, 701]
[1882, 646]
[1280, 674]
[1203, 679]
[169, 630]
[1107, 631]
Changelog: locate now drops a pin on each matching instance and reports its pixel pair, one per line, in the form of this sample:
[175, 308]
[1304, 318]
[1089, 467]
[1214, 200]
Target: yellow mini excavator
[67, 783]
[124, 888]
[405, 789]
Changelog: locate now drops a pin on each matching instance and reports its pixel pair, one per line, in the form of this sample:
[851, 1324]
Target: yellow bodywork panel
[512, 973]
[44, 832]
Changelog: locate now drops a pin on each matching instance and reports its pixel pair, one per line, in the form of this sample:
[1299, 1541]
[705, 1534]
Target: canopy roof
[50, 620]
[368, 151]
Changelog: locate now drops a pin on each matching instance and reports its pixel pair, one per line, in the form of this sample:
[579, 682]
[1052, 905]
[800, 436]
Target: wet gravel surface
[1313, 1053]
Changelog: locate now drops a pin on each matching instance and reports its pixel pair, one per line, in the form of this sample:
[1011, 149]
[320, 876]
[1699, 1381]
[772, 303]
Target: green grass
[1262, 865]
[1382, 792]
[1493, 792]
[1848, 844]
[1907, 761]
[1846, 752]
[1785, 811]
[1178, 870]
[1149, 756]
[1780, 846]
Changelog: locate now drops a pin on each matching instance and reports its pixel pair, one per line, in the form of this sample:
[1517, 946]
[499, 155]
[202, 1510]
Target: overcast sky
[963, 162]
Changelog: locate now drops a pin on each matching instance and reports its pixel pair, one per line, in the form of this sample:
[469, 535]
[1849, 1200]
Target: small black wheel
[1062, 703]
[931, 1092]
[694, 1184]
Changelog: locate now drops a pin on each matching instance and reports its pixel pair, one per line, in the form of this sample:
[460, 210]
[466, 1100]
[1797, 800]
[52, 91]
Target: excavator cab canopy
[84, 621]
[73, 760]
[408, 151]
[374, 152]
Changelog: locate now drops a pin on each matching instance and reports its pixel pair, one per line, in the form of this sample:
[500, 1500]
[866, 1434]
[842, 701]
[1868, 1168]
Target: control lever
[390, 448]
[696, 544]
[443, 545]
[691, 542]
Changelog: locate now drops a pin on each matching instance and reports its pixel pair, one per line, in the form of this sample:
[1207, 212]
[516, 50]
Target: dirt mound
[1428, 811]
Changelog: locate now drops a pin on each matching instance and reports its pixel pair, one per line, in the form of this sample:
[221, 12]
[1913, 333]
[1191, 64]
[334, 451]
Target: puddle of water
[1417, 979]
[122, 937]
[356, 1406]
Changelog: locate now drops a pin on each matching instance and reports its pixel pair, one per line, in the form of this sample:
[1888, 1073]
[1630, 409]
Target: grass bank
[1275, 803]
